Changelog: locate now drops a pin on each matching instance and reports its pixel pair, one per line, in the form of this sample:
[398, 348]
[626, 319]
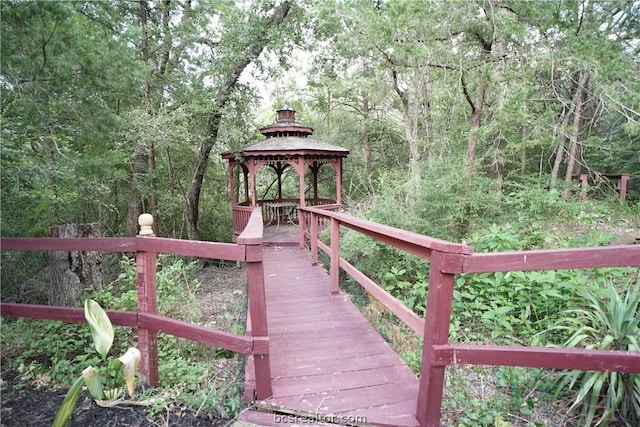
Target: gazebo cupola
[286, 125]
[287, 144]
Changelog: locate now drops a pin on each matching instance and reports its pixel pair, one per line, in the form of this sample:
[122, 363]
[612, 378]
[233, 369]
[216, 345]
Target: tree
[262, 33]
[66, 75]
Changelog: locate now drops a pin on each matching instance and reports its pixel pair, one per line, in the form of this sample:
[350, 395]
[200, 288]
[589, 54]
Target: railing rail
[273, 211]
[146, 319]
[447, 260]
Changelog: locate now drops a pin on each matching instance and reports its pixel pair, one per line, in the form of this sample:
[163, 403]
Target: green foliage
[413, 295]
[500, 394]
[122, 369]
[48, 353]
[608, 321]
[517, 305]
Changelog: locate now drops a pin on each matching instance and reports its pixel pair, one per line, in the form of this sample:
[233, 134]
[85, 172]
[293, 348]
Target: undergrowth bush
[47, 353]
[609, 320]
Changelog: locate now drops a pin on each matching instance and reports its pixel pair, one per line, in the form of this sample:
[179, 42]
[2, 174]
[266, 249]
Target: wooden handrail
[112, 244]
[417, 244]
[146, 319]
[449, 259]
[553, 259]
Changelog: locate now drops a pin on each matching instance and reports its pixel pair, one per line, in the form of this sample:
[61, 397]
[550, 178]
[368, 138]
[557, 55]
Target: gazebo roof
[287, 137]
[292, 143]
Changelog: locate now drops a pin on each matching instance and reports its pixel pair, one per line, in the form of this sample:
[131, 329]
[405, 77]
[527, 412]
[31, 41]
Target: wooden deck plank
[319, 343]
[348, 401]
[306, 367]
[312, 384]
[326, 358]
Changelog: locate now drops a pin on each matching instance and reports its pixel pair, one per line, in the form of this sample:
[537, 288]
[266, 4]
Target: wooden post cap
[146, 224]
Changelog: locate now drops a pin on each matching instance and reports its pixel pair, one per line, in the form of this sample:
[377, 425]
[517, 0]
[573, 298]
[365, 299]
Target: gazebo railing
[276, 211]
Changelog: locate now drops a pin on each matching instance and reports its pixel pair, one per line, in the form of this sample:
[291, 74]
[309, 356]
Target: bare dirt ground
[221, 298]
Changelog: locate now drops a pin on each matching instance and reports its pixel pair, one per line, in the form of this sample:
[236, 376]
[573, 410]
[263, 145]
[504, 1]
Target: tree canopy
[114, 108]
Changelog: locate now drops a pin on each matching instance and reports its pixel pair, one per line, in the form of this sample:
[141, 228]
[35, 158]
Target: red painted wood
[624, 178]
[147, 303]
[213, 250]
[154, 322]
[400, 414]
[295, 367]
[373, 402]
[319, 343]
[253, 232]
[553, 259]
[540, 357]
[311, 384]
[252, 238]
[322, 347]
[64, 314]
[60, 244]
[335, 256]
[241, 215]
[313, 237]
[412, 320]
[436, 332]
[415, 243]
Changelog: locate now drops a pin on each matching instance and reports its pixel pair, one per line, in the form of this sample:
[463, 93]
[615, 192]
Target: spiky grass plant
[610, 323]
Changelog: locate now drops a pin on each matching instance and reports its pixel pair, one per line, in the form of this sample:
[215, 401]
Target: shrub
[610, 323]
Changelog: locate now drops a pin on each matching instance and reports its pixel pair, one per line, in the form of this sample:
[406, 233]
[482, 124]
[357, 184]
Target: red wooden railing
[146, 319]
[447, 260]
[271, 209]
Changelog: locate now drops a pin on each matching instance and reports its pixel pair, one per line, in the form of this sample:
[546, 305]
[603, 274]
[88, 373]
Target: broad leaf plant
[102, 334]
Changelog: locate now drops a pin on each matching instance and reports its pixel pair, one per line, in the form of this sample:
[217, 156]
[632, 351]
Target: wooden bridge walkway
[328, 363]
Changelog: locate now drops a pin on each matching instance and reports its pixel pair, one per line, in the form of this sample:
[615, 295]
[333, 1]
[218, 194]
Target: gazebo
[286, 146]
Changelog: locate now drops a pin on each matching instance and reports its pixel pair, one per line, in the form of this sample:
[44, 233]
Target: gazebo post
[245, 174]
[300, 168]
[279, 171]
[252, 173]
[338, 170]
[232, 186]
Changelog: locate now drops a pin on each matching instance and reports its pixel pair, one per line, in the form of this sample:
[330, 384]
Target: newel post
[302, 224]
[624, 178]
[251, 238]
[436, 332]
[313, 238]
[334, 274]
[583, 190]
[147, 303]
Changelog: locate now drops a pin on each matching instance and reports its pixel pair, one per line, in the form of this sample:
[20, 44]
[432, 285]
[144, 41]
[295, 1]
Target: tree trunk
[574, 116]
[251, 53]
[579, 99]
[135, 199]
[477, 105]
[474, 126]
[523, 153]
[410, 113]
[559, 151]
[366, 143]
[71, 272]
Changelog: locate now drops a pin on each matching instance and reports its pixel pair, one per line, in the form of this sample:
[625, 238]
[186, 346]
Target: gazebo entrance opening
[283, 172]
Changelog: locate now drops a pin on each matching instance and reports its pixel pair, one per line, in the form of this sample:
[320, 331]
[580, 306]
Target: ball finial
[146, 224]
